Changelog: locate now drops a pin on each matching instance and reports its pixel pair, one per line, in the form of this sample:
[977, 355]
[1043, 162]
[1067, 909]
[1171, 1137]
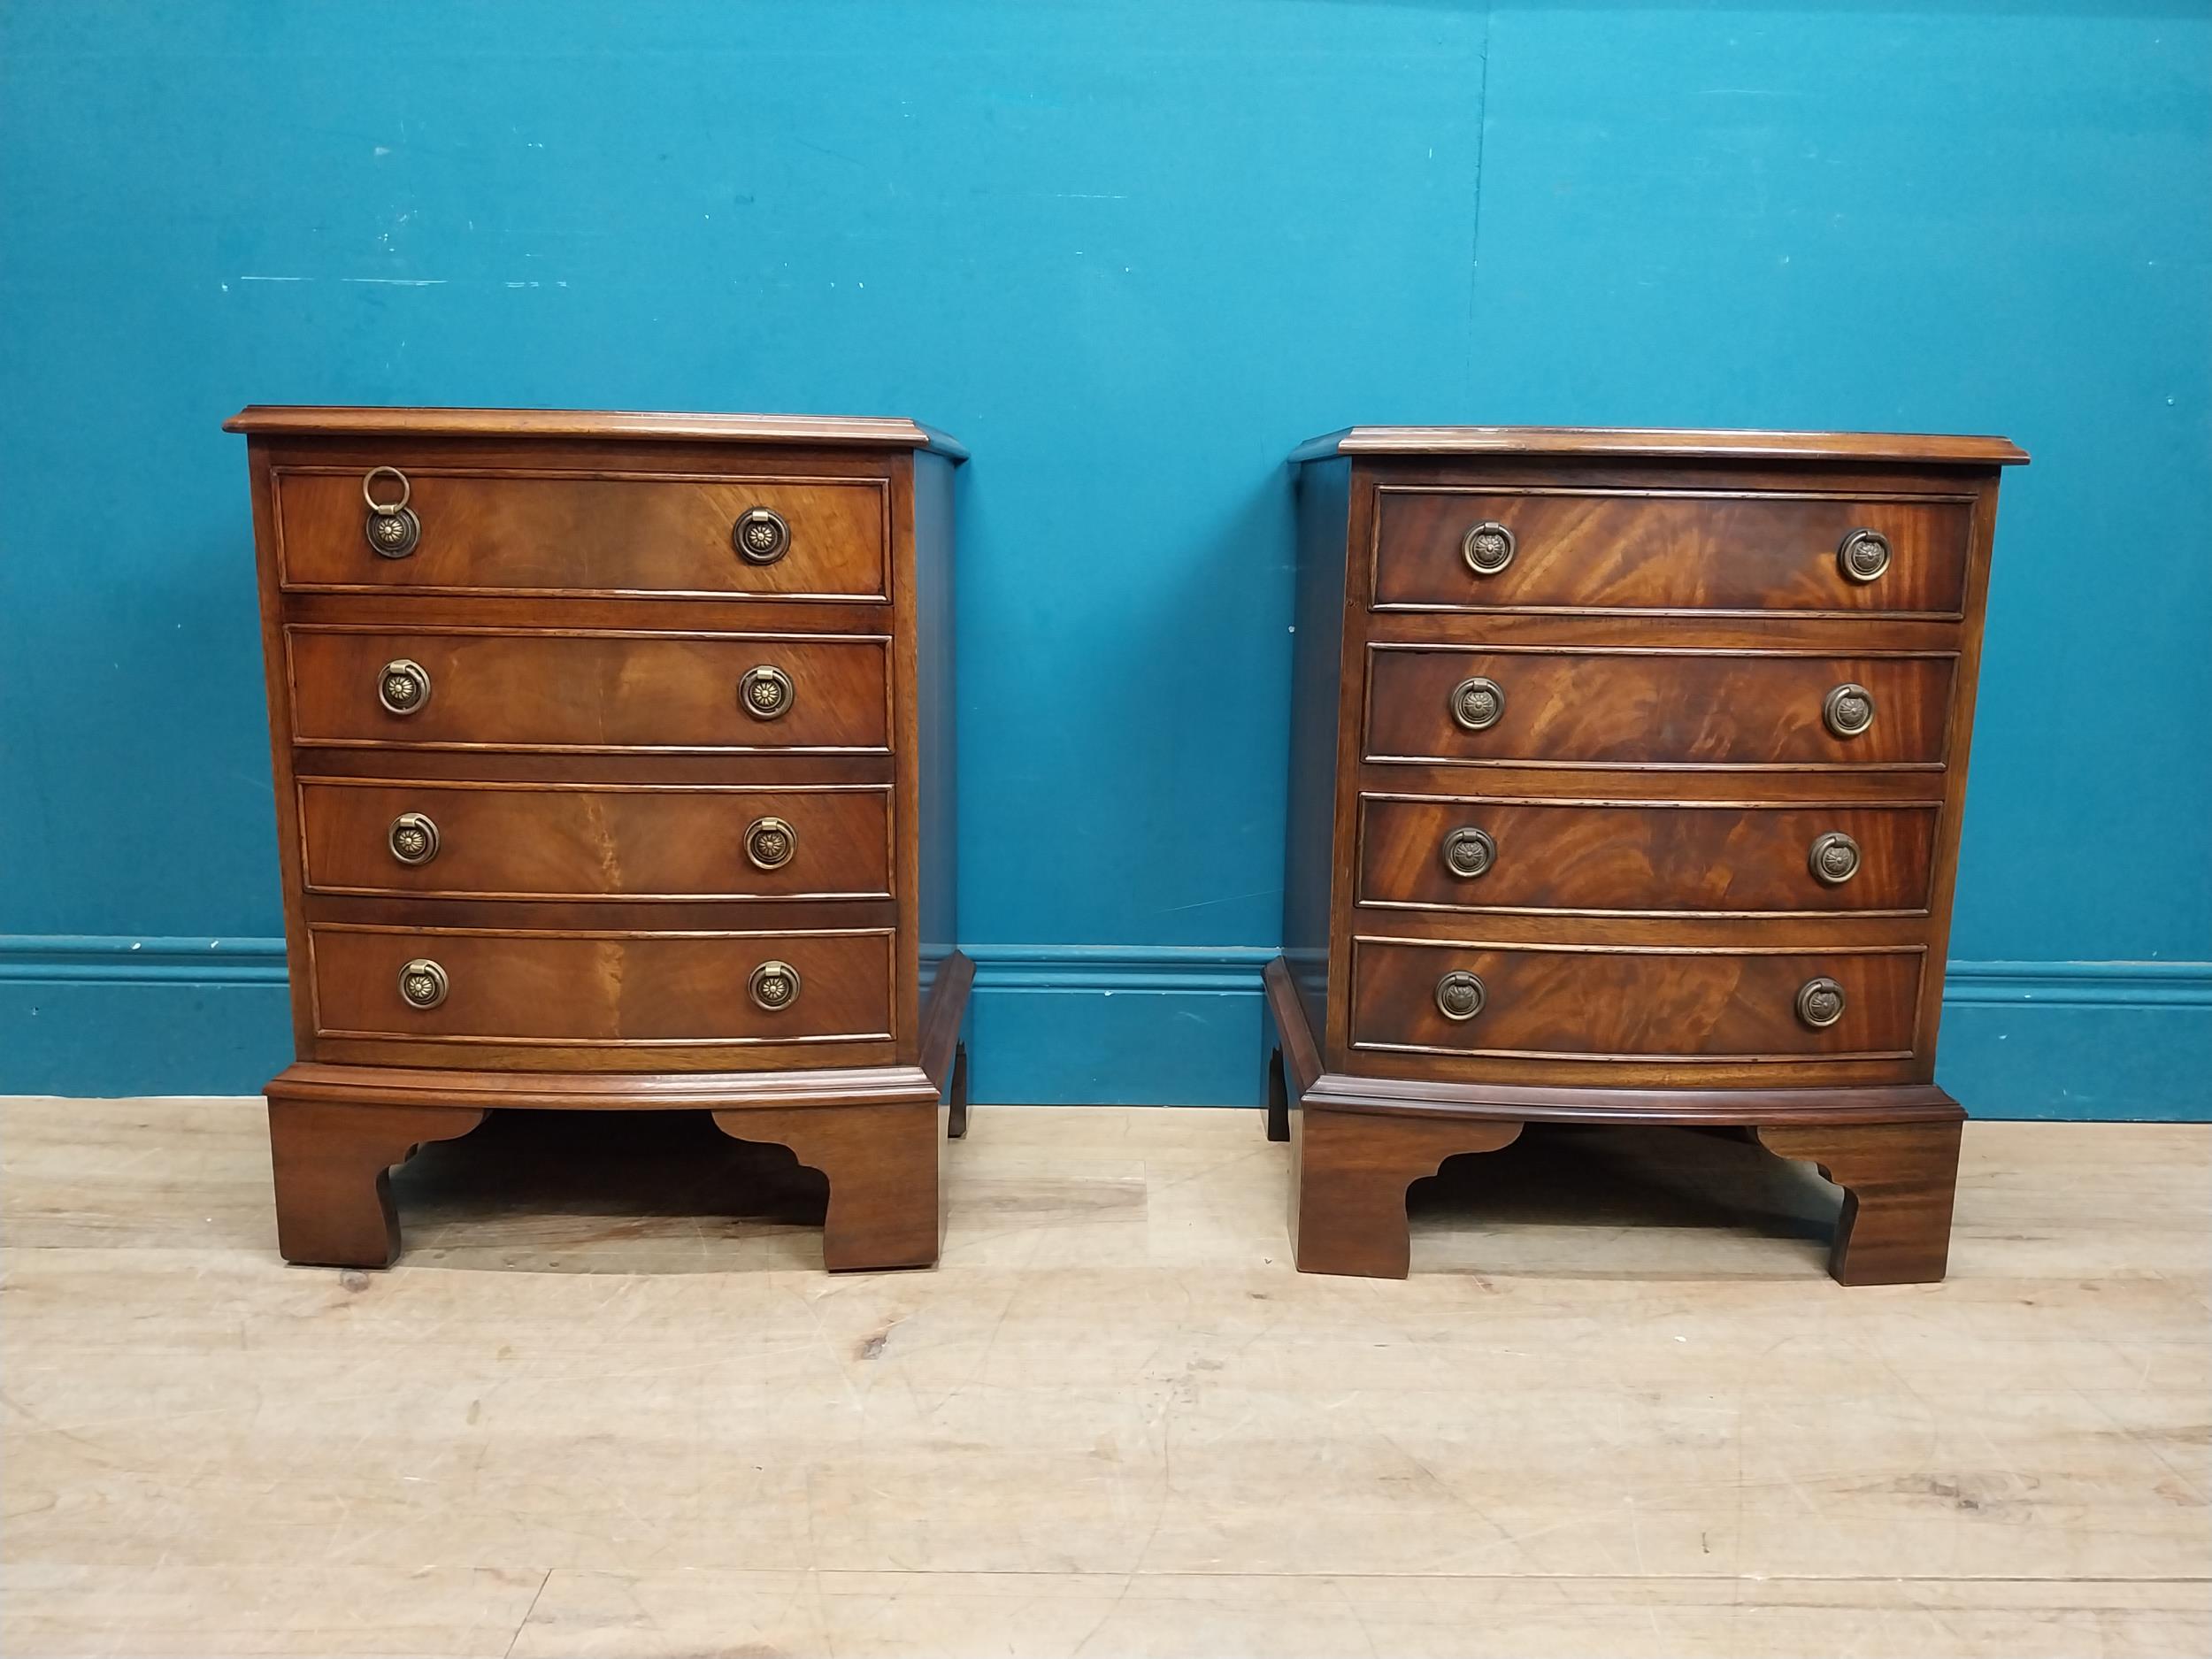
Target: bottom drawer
[1573, 1002]
[469, 986]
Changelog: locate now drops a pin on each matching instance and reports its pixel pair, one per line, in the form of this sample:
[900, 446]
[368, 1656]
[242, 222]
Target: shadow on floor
[1658, 1177]
[650, 1191]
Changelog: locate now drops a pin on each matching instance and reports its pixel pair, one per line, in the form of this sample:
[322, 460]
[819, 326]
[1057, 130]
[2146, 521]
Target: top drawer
[771, 537]
[1469, 550]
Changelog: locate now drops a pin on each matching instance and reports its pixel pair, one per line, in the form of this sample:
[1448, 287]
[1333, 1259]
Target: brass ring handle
[1847, 710]
[760, 536]
[770, 842]
[392, 528]
[1834, 858]
[1469, 852]
[1864, 555]
[1460, 995]
[1478, 704]
[403, 686]
[766, 692]
[423, 984]
[774, 985]
[413, 838]
[1820, 1004]
[368, 489]
[1488, 548]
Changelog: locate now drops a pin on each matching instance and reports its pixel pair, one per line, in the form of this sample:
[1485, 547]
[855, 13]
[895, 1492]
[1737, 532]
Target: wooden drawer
[1630, 858]
[555, 533]
[598, 989]
[1656, 708]
[1649, 1004]
[597, 691]
[528, 841]
[1666, 550]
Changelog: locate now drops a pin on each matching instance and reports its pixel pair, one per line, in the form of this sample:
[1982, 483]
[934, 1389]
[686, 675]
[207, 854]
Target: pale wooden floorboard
[608, 1404]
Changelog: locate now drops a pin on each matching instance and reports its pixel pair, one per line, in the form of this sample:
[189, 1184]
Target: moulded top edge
[1665, 443]
[315, 420]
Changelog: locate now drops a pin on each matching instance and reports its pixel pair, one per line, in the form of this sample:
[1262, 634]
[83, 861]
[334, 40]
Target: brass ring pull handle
[766, 692]
[761, 537]
[392, 527]
[1834, 858]
[1819, 1003]
[403, 686]
[770, 842]
[413, 838]
[1460, 995]
[1847, 710]
[423, 984]
[1469, 852]
[1489, 548]
[774, 985]
[1864, 555]
[1478, 704]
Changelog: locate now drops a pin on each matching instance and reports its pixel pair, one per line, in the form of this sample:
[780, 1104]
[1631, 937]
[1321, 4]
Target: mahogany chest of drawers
[1625, 783]
[614, 769]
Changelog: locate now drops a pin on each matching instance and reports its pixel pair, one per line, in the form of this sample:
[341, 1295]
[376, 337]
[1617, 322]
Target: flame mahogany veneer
[613, 766]
[1589, 822]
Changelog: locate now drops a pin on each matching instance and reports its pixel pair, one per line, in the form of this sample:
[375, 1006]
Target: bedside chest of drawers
[1626, 782]
[614, 769]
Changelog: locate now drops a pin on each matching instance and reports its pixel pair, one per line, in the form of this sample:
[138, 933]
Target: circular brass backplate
[1478, 704]
[413, 838]
[774, 985]
[1460, 995]
[423, 984]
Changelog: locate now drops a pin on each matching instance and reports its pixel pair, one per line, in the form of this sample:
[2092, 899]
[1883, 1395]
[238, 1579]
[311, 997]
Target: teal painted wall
[1130, 254]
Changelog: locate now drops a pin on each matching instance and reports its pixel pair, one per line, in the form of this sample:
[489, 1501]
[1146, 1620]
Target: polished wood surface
[607, 1403]
[1633, 859]
[1588, 1002]
[304, 420]
[1661, 550]
[609, 988]
[1321, 653]
[331, 1169]
[588, 690]
[555, 532]
[613, 804]
[541, 841]
[1696, 444]
[1359, 1145]
[1898, 1182]
[1664, 638]
[1656, 708]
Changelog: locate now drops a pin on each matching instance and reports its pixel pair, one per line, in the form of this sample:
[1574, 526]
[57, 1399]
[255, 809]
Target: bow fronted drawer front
[414, 524]
[601, 691]
[1658, 707]
[503, 840]
[1734, 551]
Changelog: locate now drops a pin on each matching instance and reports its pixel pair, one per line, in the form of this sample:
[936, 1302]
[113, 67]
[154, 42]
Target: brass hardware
[770, 842]
[1469, 852]
[760, 536]
[413, 838]
[1478, 704]
[1820, 1004]
[392, 527]
[766, 692]
[1847, 710]
[422, 984]
[1489, 548]
[1460, 995]
[1864, 555]
[774, 985]
[1834, 857]
[404, 686]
